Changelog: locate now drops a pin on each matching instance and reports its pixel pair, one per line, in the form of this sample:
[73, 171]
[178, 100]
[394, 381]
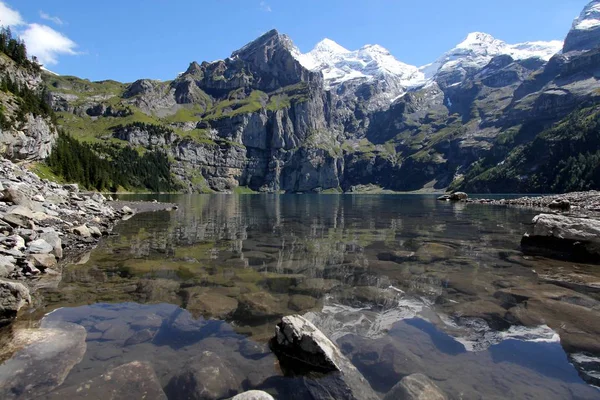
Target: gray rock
[298, 341]
[136, 380]
[39, 198]
[458, 196]
[39, 246]
[45, 358]
[562, 236]
[7, 266]
[19, 216]
[415, 387]
[71, 187]
[95, 232]
[13, 296]
[205, 376]
[82, 231]
[253, 395]
[127, 210]
[43, 261]
[54, 240]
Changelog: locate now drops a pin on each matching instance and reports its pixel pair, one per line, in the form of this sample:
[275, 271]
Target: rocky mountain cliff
[273, 119]
[27, 132]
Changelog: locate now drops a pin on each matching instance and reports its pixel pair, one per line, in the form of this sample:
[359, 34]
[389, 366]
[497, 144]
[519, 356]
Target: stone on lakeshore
[445, 197]
[135, 380]
[82, 231]
[19, 218]
[459, 196]
[54, 240]
[18, 194]
[209, 303]
[39, 246]
[39, 198]
[565, 237]
[71, 187]
[301, 347]
[45, 358]
[13, 296]
[127, 210]
[415, 387]
[253, 395]
[7, 266]
[560, 204]
[43, 260]
[95, 232]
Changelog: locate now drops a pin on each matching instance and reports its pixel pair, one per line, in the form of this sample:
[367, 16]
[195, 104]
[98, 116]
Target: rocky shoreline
[43, 225]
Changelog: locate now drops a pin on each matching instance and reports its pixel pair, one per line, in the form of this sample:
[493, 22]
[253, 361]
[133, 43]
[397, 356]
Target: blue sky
[130, 39]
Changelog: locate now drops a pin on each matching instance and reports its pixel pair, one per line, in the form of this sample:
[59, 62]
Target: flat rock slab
[136, 380]
[45, 358]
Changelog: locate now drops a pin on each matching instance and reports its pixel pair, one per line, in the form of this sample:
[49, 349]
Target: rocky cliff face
[273, 119]
[23, 135]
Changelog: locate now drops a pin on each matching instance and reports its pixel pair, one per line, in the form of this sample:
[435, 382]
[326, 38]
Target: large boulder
[43, 359]
[13, 296]
[303, 349]
[564, 237]
[415, 387]
[136, 380]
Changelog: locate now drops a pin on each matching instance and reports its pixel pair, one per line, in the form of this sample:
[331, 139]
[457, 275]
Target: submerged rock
[253, 395]
[136, 380]
[303, 349]
[206, 376]
[415, 387]
[45, 358]
[564, 237]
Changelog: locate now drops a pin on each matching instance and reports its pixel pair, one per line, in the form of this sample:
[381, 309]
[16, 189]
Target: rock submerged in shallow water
[45, 358]
[564, 237]
[206, 376]
[136, 380]
[253, 395]
[415, 387]
[303, 349]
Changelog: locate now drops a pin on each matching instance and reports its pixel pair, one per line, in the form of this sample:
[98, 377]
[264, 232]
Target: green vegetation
[108, 167]
[561, 159]
[232, 107]
[16, 50]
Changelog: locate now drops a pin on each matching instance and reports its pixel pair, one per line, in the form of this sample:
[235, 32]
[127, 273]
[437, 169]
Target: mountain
[585, 32]
[272, 119]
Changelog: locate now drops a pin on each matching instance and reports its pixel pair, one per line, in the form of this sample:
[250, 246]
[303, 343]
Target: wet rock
[39, 246]
[205, 376]
[316, 286]
[302, 348]
[260, 305]
[208, 303]
[13, 296]
[45, 358]
[136, 380]
[158, 290]
[300, 302]
[142, 336]
[253, 395]
[564, 237]
[430, 252]
[562, 204]
[415, 387]
[458, 196]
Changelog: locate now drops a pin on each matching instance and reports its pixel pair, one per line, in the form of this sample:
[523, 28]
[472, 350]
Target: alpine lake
[402, 284]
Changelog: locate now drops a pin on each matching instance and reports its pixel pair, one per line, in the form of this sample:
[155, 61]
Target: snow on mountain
[339, 64]
[589, 17]
[478, 49]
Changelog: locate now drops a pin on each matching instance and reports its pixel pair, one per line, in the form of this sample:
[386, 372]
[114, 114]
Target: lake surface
[401, 283]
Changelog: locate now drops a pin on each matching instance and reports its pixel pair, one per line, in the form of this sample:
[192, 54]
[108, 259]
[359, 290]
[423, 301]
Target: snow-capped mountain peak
[479, 41]
[589, 17]
[339, 64]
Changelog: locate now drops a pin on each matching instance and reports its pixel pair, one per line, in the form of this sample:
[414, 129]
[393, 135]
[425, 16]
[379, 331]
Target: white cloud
[49, 17]
[9, 17]
[47, 44]
[265, 6]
